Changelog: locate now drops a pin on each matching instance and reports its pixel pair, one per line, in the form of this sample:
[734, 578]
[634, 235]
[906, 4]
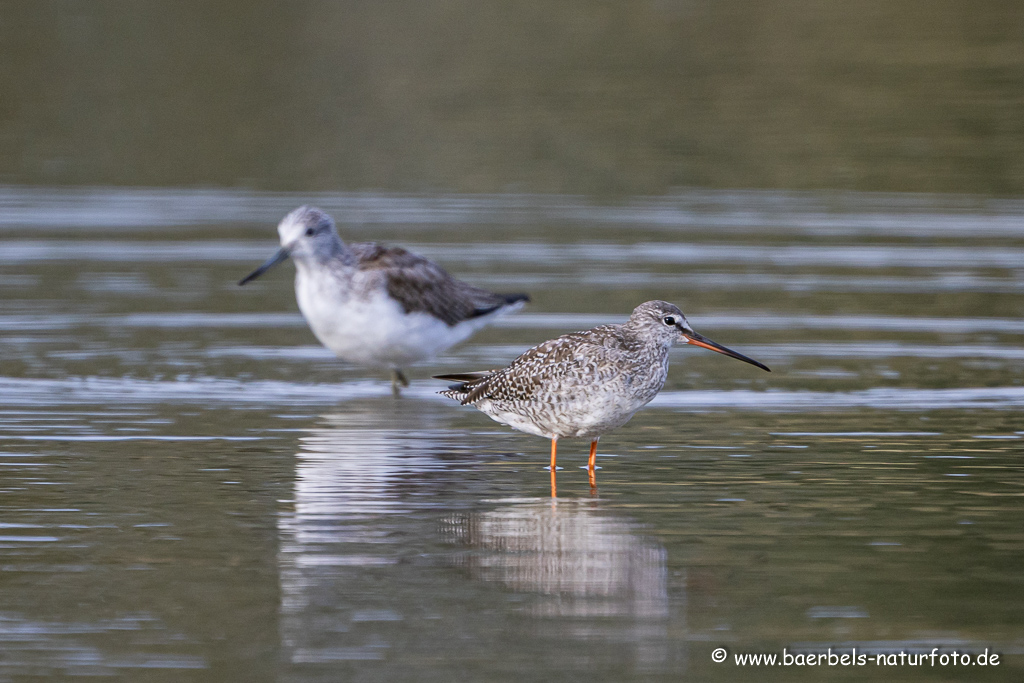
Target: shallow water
[193, 489]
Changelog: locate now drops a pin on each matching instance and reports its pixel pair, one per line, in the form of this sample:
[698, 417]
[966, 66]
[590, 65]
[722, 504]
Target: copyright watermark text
[937, 656]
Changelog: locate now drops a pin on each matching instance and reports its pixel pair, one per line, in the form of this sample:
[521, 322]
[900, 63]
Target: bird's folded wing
[420, 285]
[556, 366]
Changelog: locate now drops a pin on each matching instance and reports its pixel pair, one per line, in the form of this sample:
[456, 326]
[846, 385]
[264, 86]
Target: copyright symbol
[718, 655]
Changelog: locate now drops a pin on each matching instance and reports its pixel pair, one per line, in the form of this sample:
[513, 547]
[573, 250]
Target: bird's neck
[330, 256]
[636, 339]
[340, 253]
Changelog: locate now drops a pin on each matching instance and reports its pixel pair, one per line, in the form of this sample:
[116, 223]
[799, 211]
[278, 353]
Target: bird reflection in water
[365, 558]
[357, 477]
[581, 563]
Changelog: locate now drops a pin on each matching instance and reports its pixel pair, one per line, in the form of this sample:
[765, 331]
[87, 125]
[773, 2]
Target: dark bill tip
[704, 342]
[281, 255]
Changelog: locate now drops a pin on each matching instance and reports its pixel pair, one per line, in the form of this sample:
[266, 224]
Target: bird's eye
[669, 320]
[310, 232]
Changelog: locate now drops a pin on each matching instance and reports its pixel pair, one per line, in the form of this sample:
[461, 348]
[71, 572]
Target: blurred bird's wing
[420, 285]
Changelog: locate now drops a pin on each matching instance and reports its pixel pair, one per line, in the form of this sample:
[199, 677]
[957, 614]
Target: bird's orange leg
[590, 466]
[554, 453]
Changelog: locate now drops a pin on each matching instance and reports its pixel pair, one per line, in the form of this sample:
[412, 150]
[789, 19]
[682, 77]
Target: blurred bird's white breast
[364, 325]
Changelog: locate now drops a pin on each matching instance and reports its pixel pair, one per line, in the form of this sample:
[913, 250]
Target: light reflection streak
[691, 210]
[215, 390]
[745, 320]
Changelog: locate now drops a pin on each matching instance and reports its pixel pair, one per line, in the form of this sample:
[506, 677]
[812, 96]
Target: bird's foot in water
[398, 380]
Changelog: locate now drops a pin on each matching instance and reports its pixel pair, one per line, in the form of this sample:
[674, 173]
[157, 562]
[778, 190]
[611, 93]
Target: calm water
[193, 489]
[591, 97]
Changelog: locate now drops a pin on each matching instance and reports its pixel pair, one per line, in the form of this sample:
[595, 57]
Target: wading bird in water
[584, 384]
[374, 305]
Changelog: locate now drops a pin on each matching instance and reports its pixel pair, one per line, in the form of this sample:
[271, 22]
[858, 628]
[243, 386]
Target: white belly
[374, 330]
[598, 414]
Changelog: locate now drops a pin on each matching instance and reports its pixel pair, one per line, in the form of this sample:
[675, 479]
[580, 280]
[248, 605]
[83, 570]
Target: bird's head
[306, 233]
[665, 323]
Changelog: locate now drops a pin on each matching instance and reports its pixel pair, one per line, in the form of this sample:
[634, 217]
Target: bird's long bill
[281, 255]
[698, 340]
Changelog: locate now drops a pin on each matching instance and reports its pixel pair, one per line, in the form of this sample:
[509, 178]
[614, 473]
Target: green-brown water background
[192, 489]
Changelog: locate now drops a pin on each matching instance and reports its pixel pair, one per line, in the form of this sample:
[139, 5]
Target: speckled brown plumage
[584, 384]
[580, 384]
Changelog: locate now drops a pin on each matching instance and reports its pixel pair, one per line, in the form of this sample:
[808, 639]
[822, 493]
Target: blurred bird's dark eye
[309, 232]
[670, 321]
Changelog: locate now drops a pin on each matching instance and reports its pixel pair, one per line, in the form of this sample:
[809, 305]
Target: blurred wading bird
[375, 305]
[584, 384]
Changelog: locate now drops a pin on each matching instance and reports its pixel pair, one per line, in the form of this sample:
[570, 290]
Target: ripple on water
[66, 648]
[214, 390]
[725, 211]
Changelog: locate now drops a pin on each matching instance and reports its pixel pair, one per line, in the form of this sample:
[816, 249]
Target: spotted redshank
[584, 384]
[374, 305]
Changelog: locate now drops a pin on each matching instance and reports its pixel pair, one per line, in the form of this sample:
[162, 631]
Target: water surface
[193, 489]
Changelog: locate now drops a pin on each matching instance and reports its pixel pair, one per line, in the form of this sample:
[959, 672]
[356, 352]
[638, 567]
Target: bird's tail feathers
[464, 377]
[464, 384]
[515, 298]
[512, 302]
